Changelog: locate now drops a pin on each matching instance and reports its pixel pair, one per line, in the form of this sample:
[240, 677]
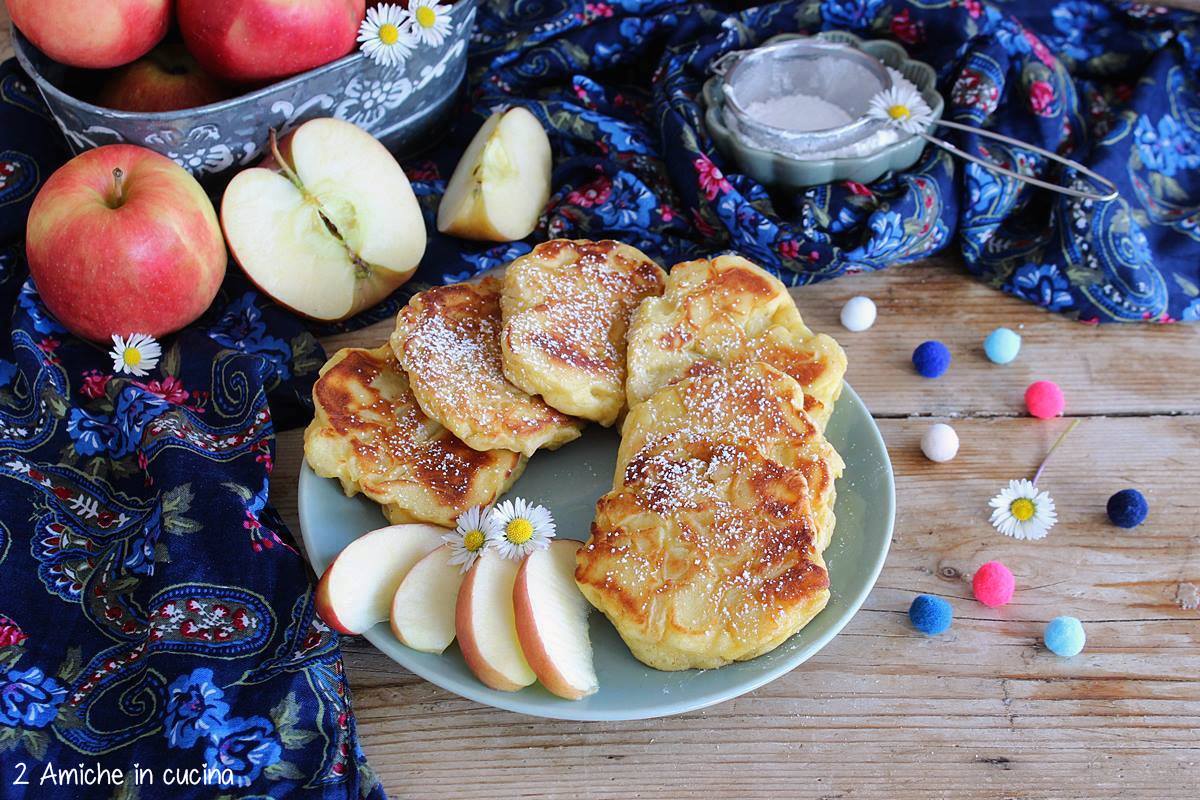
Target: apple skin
[150, 262]
[166, 79]
[93, 34]
[533, 645]
[368, 571]
[262, 40]
[468, 643]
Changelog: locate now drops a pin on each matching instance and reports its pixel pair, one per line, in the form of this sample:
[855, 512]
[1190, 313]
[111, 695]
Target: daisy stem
[1060, 440]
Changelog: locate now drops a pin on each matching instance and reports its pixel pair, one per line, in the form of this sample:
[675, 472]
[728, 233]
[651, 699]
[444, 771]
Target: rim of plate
[379, 635]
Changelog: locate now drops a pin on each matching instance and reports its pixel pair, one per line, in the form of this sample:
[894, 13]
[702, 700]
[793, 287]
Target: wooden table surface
[983, 711]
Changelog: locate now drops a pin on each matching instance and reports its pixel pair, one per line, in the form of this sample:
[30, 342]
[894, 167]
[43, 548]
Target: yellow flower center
[519, 531]
[1022, 508]
[389, 33]
[473, 540]
[426, 17]
[131, 356]
[899, 112]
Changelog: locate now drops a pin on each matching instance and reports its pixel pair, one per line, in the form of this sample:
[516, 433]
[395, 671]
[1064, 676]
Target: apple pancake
[448, 341]
[370, 434]
[566, 308]
[726, 310]
[704, 554]
[747, 402]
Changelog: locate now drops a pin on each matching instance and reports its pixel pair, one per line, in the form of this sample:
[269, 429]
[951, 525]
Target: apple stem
[118, 186]
[288, 172]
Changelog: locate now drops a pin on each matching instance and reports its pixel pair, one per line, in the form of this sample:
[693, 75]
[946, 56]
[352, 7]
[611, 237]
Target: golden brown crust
[748, 402]
[704, 554]
[448, 341]
[369, 432]
[566, 307]
[728, 310]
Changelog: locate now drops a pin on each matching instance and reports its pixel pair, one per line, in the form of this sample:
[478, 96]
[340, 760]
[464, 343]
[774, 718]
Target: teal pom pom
[1002, 345]
[1064, 636]
[930, 614]
[931, 359]
[1128, 508]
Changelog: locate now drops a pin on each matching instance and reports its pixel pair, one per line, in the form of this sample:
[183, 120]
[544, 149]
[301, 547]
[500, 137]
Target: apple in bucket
[122, 240]
[166, 79]
[94, 34]
[262, 40]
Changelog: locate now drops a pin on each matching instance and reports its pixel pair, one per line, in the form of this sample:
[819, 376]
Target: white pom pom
[858, 314]
[940, 443]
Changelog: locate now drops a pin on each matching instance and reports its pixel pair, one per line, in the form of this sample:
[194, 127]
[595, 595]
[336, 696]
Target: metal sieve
[836, 73]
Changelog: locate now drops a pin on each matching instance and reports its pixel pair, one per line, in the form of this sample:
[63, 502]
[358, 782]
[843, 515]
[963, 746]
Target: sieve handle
[722, 63]
[1113, 192]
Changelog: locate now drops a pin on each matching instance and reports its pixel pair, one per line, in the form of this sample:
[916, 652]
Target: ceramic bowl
[403, 106]
[782, 171]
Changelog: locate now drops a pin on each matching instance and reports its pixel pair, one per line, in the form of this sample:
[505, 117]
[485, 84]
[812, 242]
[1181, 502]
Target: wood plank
[983, 711]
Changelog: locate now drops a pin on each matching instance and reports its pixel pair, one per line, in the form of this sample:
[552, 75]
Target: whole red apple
[257, 40]
[166, 79]
[95, 34]
[122, 240]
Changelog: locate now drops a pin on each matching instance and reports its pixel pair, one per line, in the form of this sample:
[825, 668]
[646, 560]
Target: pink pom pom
[1044, 399]
[993, 584]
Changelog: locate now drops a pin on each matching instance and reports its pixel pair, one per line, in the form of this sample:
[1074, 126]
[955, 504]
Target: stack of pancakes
[708, 548]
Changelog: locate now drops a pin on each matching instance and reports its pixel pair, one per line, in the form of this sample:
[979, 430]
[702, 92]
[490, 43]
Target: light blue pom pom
[1065, 637]
[1002, 345]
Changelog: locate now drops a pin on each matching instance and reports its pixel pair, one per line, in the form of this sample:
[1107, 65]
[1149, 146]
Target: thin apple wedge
[423, 608]
[357, 589]
[552, 621]
[328, 225]
[501, 183]
[486, 626]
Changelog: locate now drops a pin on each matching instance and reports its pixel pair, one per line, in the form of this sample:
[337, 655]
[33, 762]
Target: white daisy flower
[1021, 511]
[903, 107]
[136, 355]
[520, 527]
[430, 21]
[386, 36]
[473, 531]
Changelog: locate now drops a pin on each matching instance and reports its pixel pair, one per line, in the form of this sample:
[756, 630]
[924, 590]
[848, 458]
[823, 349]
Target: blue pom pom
[930, 614]
[1064, 636]
[1128, 508]
[931, 359]
[1002, 345]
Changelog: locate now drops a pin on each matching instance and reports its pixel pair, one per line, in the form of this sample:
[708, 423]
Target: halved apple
[328, 225]
[356, 590]
[501, 183]
[552, 621]
[486, 625]
[423, 608]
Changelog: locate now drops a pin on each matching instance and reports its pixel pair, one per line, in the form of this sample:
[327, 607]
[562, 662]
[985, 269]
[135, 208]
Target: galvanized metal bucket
[403, 106]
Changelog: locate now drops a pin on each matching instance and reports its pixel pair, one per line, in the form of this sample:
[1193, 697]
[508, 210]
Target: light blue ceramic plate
[569, 481]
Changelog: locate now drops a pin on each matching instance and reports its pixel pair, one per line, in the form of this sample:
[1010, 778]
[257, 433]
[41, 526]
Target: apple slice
[552, 621]
[423, 608]
[328, 225]
[501, 183]
[356, 590]
[486, 625]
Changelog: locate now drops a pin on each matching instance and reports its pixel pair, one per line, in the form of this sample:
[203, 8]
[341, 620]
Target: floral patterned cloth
[153, 608]
[617, 82]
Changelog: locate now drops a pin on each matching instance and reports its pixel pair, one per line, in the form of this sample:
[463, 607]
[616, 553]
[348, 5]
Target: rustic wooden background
[983, 711]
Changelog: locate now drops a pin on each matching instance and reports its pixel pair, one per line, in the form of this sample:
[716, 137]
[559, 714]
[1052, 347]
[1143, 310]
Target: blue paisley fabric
[617, 84]
[153, 607]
